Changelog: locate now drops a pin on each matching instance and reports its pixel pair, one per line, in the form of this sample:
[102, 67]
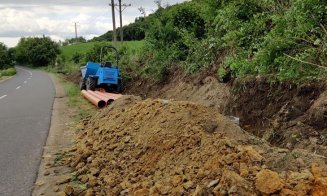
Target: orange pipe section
[110, 95]
[101, 96]
[93, 99]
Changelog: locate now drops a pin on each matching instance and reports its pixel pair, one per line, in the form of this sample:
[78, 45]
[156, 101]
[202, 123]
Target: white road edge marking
[3, 96]
[18, 87]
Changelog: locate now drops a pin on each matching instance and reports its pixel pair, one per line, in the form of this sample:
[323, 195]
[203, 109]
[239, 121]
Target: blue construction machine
[103, 75]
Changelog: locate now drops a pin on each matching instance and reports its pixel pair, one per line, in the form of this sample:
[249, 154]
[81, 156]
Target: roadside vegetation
[282, 40]
[234, 39]
[74, 94]
[36, 51]
[73, 56]
[6, 62]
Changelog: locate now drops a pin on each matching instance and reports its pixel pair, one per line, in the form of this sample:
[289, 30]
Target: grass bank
[7, 73]
[82, 48]
[84, 108]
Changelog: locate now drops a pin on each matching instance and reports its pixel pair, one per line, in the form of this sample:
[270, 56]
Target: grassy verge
[67, 67]
[76, 101]
[7, 73]
[83, 48]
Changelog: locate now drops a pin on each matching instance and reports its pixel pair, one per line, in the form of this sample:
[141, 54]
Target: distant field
[68, 51]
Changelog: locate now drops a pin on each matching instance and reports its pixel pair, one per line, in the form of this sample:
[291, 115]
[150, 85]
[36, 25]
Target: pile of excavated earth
[165, 147]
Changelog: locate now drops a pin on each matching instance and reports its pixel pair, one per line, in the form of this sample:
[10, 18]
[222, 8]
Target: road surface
[25, 114]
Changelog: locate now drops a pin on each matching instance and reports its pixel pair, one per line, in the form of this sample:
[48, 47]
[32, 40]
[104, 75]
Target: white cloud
[55, 18]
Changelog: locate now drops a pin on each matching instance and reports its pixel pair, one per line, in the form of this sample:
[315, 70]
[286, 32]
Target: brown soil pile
[161, 147]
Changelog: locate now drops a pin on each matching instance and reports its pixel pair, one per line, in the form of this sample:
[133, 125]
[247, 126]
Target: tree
[36, 51]
[5, 59]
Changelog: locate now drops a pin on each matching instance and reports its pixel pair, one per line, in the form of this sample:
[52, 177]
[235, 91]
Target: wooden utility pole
[121, 23]
[121, 8]
[113, 22]
[76, 29]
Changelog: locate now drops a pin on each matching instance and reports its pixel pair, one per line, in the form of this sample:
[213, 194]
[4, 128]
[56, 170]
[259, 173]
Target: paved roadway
[25, 114]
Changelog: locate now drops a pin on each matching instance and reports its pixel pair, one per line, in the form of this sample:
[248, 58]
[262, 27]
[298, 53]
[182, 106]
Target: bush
[94, 53]
[77, 57]
[285, 38]
[8, 72]
[37, 51]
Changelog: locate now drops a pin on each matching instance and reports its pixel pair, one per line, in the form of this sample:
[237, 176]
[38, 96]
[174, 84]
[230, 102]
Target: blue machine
[101, 75]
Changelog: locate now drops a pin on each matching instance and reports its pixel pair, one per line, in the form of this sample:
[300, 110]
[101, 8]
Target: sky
[55, 18]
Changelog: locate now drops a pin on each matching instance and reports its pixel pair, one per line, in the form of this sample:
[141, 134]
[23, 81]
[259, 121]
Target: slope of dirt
[74, 77]
[165, 147]
[205, 90]
[285, 114]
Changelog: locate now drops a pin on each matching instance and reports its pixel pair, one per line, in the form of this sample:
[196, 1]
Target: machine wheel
[118, 86]
[82, 84]
[91, 83]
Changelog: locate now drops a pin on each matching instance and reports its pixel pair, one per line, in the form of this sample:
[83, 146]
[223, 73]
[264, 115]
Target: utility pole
[121, 8]
[121, 23]
[75, 23]
[112, 4]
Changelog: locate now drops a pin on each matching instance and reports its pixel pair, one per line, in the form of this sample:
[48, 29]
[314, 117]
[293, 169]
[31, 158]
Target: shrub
[8, 72]
[36, 51]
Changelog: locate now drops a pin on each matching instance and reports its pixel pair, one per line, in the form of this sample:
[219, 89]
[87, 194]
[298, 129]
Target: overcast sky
[55, 18]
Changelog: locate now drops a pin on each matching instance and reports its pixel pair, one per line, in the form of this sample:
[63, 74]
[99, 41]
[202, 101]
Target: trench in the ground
[279, 112]
[284, 114]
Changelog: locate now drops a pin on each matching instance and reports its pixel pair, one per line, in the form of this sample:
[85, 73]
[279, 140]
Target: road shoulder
[60, 138]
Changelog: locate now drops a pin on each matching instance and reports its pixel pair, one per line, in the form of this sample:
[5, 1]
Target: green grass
[7, 72]
[83, 107]
[65, 68]
[83, 48]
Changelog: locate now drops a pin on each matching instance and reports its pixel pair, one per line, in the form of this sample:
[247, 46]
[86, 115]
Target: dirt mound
[164, 147]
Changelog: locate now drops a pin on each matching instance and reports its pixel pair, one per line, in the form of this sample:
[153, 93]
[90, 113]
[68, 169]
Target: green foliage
[133, 31]
[74, 95]
[8, 72]
[77, 57]
[265, 37]
[173, 34]
[94, 53]
[286, 39]
[36, 51]
[6, 59]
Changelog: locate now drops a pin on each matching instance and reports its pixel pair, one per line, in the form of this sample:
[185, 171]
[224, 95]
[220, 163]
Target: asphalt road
[25, 113]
